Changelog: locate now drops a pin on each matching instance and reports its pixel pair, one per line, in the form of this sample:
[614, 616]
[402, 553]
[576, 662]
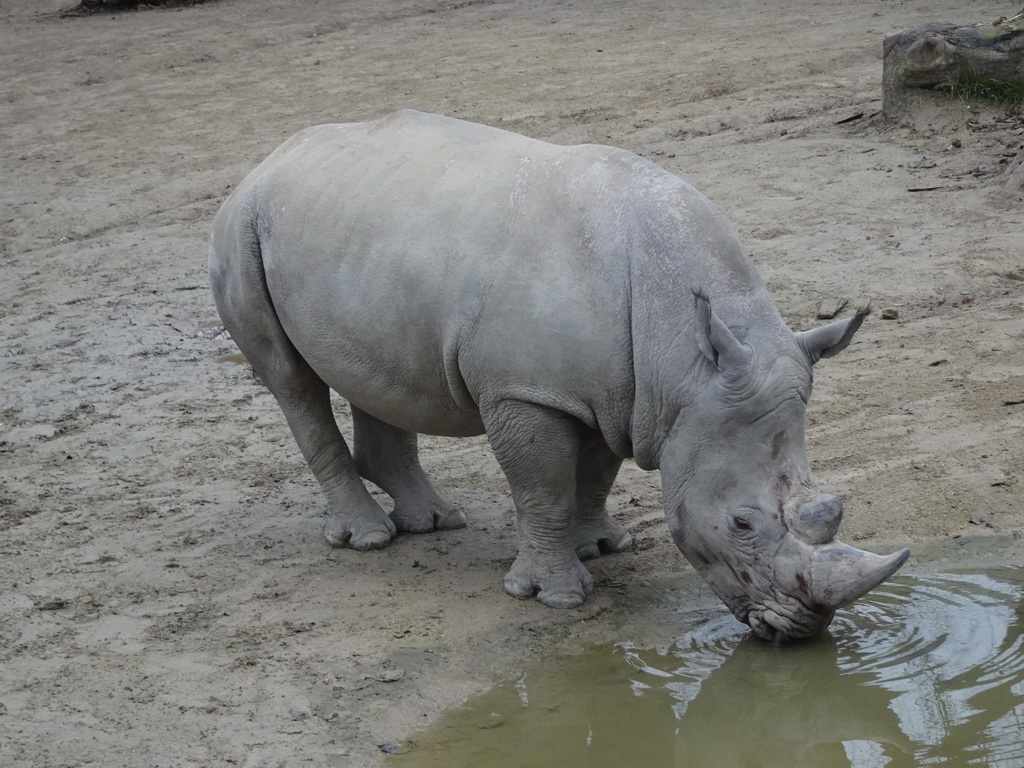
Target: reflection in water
[923, 672]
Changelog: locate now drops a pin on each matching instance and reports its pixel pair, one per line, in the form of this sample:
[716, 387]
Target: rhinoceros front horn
[840, 573]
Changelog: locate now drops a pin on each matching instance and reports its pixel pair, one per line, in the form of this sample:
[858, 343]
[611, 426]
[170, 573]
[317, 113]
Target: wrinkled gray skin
[580, 306]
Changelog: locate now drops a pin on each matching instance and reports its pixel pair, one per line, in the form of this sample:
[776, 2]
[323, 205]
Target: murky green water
[924, 671]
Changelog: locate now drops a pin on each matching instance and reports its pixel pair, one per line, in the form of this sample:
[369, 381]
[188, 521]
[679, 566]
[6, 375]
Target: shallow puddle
[923, 671]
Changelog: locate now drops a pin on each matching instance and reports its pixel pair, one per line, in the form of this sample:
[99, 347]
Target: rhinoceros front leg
[389, 457]
[596, 534]
[537, 449]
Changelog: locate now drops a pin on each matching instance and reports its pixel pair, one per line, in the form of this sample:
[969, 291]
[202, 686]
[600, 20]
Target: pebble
[890, 313]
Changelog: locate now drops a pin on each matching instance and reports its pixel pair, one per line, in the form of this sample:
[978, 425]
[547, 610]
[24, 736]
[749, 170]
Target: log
[939, 55]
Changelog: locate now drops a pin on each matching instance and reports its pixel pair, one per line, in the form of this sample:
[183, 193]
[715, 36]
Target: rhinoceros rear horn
[840, 573]
[831, 339]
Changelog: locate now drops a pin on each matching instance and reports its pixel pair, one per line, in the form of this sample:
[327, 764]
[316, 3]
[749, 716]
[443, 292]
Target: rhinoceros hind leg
[389, 457]
[537, 448]
[595, 533]
[245, 307]
[356, 519]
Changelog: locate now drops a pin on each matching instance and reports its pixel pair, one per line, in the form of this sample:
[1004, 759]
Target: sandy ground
[166, 598]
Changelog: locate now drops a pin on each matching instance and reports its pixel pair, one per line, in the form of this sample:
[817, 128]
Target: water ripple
[922, 672]
[948, 651]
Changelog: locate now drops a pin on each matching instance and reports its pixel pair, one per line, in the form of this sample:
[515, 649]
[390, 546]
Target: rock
[829, 308]
[390, 675]
[1014, 180]
[890, 313]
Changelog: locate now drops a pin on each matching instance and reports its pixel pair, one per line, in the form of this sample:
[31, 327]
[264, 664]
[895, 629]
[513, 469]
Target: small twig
[923, 189]
[1013, 402]
[850, 119]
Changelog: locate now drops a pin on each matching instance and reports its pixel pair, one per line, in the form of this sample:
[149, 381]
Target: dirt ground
[166, 598]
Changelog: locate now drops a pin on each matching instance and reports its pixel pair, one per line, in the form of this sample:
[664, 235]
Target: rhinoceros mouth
[780, 618]
[778, 626]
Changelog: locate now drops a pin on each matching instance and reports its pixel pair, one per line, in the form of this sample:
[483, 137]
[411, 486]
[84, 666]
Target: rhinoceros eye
[740, 524]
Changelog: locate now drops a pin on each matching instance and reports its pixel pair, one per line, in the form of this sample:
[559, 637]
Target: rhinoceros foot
[605, 539]
[343, 530]
[422, 517]
[562, 585]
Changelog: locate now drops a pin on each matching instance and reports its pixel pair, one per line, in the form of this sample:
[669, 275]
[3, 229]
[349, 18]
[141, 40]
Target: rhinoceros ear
[715, 340]
[831, 339]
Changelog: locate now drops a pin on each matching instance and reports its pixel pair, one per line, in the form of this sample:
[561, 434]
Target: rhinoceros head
[740, 499]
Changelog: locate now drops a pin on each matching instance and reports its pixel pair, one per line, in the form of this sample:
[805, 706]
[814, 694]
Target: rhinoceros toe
[423, 518]
[342, 531]
[594, 542]
[563, 586]
[449, 518]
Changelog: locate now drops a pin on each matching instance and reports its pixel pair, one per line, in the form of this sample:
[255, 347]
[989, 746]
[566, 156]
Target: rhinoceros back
[421, 264]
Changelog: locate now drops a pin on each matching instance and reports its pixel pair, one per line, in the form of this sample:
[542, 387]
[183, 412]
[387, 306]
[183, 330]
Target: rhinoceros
[577, 304]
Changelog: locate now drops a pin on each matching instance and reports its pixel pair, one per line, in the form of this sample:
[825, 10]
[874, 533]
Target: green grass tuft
[973, 87]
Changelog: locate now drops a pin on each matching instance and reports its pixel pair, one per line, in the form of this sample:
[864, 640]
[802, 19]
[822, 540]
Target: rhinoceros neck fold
[684, 245]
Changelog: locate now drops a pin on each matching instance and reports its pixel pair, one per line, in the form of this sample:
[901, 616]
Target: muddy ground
[166, 598]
